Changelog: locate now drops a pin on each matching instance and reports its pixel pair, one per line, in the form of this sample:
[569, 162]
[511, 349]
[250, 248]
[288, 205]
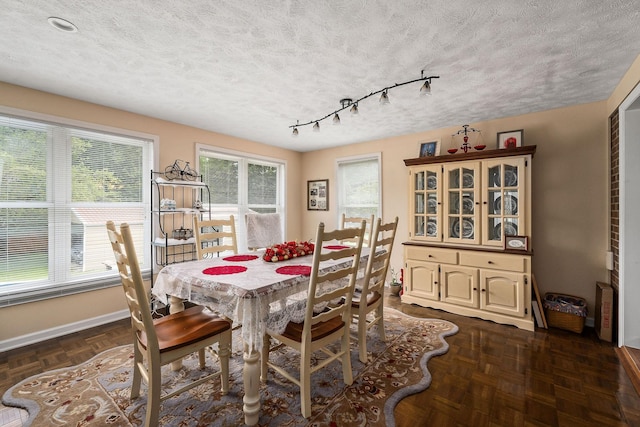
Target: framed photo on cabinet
[518, 243]
[430, 148]
[510, 139]
[318, 195]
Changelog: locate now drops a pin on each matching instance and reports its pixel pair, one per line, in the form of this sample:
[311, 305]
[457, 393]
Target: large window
[241, 184]
[359, 186]
[59, 184]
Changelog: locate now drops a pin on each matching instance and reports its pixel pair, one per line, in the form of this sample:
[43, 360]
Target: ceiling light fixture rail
[345, 103]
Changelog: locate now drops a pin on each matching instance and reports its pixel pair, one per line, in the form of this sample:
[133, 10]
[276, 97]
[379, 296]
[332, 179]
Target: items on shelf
[168, 205]
[182, 233]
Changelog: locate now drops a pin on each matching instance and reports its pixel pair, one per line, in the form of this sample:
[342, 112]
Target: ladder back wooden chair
[346, 222]
[326, 319]
[263, 230]
[214, 236]
[367, 304]
[158, 342]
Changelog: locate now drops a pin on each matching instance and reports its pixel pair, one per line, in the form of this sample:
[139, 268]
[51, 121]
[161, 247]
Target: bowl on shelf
[480, 147]
[452, 150]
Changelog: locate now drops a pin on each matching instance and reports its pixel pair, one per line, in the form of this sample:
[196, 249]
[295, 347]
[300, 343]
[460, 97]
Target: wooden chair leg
[153, 397]
[137, 376]
[223, 355]
[305, 382]
[264, 368]
[380, 314]
[347, 373]
[362, 338]
[201, 359]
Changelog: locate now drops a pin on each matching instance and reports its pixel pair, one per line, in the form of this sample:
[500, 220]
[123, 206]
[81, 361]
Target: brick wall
[615, 198]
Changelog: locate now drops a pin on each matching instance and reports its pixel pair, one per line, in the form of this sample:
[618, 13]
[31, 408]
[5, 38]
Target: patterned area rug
[96, 393]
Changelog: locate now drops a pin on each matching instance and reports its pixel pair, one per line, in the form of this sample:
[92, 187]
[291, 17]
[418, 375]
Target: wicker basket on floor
[565, 312]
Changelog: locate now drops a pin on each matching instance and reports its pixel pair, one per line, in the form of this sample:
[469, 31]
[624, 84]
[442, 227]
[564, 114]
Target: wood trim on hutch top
[475, 155]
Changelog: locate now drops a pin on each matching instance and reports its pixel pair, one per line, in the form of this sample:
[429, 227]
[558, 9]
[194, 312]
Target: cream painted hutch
[461, 208]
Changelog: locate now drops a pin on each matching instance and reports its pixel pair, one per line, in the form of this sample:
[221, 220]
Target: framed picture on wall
[510, 139]
[318, 195]
[430, 148]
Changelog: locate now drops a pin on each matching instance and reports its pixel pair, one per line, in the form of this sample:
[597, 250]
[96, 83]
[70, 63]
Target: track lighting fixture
[345, 103]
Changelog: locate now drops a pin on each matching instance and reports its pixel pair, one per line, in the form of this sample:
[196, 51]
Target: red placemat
[336, 247]
[304, 270]
[237, 258]
[224, 269]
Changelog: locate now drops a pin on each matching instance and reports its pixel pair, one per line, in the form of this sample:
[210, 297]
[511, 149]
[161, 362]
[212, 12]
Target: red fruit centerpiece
[288, 250]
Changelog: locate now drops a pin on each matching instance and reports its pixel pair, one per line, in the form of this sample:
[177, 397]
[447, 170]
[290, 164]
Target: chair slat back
[346, 222]
[263, 230]
[132, 283]
[322, 297]
[380, 257]
[214, 236]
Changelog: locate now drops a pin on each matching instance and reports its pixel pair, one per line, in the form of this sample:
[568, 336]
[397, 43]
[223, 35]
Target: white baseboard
[58, 331]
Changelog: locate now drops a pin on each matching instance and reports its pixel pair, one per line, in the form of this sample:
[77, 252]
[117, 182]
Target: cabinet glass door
[462, 182]
[504, 190]
[426, 203]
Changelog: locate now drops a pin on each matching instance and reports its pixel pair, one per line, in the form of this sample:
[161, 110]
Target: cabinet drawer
[423, 253]
[494, 261]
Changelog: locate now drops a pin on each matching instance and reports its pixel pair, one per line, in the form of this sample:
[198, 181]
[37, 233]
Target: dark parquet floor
[492, 375]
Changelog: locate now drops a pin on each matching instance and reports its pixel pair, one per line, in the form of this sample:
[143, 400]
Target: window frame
[340, 204]
[244, 158]
[25, 292]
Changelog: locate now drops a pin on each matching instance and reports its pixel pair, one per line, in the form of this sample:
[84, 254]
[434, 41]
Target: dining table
[253, 292]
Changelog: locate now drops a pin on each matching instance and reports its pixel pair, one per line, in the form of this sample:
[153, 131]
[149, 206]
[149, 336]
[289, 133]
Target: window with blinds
[240, 184]
[359, 186]
[58, 187]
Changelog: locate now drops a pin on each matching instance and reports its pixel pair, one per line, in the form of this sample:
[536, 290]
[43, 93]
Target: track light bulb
[316, 127]
[384, 98]
[426, 88]
[295, 132]
[336, 119]
[354, 109]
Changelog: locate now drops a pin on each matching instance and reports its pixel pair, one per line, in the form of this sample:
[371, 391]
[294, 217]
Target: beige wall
[176, 141]
[569, 190]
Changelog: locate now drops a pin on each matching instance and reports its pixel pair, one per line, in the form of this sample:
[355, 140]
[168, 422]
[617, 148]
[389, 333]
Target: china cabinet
[174, 203]
[461, 208]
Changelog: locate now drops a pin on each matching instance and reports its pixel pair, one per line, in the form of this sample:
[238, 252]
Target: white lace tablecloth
[258, 298]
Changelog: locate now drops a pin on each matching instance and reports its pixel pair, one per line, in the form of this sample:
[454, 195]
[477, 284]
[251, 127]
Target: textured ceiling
[252, 68]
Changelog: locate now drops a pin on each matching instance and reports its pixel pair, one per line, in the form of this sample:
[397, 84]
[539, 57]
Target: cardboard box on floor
[604, 311]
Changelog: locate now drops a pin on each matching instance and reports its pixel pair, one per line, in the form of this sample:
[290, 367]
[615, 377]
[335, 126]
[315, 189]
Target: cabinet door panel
[422, 279]
[503, 292]
[503, 193]
[425, 203]
[459, 285]
[461, 196]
